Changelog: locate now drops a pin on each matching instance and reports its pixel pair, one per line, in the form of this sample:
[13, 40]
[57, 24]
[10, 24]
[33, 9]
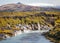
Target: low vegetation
[46, 18]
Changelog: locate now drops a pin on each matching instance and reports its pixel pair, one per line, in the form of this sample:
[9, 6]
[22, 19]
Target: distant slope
[22, 7]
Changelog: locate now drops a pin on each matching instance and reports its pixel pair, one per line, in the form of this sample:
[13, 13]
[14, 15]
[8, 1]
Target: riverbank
[52, 38]
[23, 28]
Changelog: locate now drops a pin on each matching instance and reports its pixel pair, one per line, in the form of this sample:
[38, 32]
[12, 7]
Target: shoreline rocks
[52, 38]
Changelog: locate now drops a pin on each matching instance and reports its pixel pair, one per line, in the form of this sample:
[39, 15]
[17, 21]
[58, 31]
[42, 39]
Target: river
[27, 38]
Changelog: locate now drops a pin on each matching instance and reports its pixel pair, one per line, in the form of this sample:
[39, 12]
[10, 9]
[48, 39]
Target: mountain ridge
[22, 7]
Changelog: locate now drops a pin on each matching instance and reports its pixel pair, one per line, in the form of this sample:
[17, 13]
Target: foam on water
[29, 31]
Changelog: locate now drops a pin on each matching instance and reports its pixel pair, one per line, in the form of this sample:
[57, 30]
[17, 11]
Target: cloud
[40, 4]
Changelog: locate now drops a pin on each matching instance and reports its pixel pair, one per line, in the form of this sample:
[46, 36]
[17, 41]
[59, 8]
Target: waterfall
[18, 32]
[25, 30]
[39, 26]
[7, 36]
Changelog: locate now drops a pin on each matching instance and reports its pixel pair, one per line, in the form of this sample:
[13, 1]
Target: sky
[33, 2]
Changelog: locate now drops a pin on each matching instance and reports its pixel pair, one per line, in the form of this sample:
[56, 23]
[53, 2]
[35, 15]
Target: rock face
[21, 7]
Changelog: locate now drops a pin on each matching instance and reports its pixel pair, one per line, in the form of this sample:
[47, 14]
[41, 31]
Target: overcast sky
[48, 2]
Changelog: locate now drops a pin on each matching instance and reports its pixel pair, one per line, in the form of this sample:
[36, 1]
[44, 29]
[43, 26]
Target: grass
[30, 17]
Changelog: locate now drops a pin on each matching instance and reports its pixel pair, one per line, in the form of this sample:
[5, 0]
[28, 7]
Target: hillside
[22, 7]
[13, 14]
